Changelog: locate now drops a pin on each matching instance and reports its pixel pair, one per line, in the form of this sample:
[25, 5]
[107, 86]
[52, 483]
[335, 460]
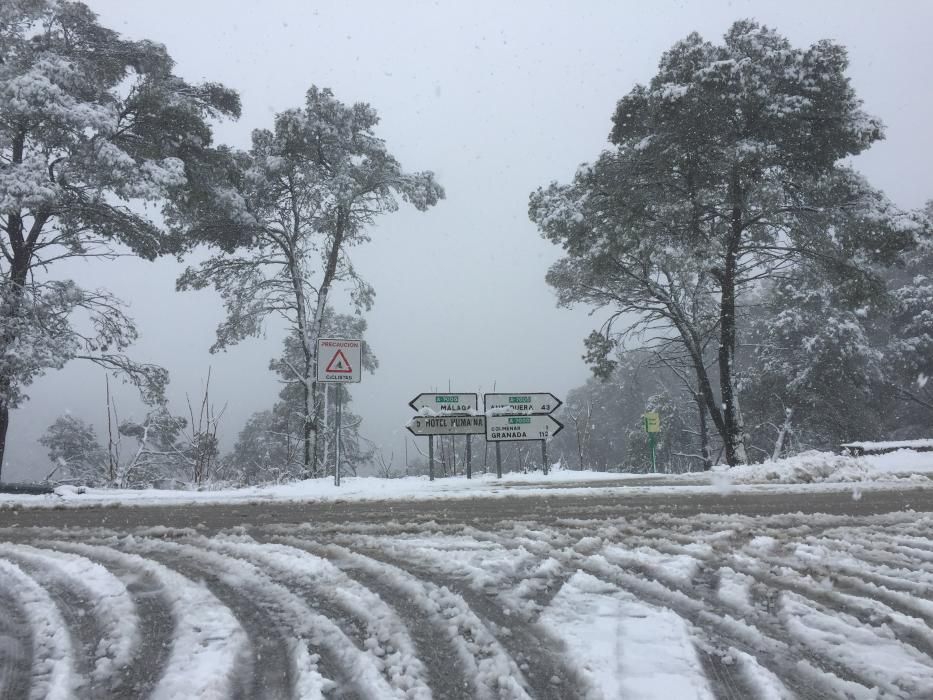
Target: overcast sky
[497, 98]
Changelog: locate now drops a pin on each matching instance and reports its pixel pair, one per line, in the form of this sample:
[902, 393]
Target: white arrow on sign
[521, 403]
[512, 427]
[445, 403]
[447, 425]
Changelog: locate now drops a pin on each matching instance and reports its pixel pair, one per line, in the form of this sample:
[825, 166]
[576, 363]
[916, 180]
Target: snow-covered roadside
[825, 467]
[807, 472]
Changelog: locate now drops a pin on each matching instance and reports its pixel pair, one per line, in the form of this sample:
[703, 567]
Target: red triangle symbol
[338, 364]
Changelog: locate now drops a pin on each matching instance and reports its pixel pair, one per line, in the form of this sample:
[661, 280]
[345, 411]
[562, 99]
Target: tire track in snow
[208, 644]
[721, 631]
[485, 662]
[870, 612]
[98, 609]
[15, 647]
[529, 646]
[286, 613]
[384, 637]
[80, 626]
[267, 674]
[52, 673]
[443, 666]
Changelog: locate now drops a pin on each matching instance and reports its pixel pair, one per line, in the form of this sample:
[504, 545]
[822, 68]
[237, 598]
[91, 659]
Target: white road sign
[512, 427]
[339, 360]
[445, 403]
[447, 425]
[521, 403]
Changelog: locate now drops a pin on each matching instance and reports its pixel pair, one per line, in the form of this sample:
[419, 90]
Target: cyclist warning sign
[339, 360]
[339, 364]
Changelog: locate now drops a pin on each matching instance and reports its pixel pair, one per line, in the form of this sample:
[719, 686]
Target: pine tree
[726, 170]
[91, 126]
[314, 184]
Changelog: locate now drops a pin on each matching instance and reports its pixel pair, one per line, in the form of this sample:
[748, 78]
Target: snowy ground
[901, 469]
[447, 602]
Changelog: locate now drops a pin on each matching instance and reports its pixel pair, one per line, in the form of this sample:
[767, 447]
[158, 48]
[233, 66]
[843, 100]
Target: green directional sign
[652, 422]
[653, 427]
[445, 403]
[534, 427]
[521, 402]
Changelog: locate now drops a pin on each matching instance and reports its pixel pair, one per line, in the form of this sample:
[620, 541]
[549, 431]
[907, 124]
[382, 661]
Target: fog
[497, 99]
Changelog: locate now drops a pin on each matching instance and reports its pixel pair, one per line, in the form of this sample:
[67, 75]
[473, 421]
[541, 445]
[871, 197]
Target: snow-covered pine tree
[91, 126]
[315, 183]
[271, 445]
[75, 452]
[726, 169]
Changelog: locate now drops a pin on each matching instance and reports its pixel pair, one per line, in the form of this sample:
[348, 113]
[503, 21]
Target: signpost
[446, 414]
[513, 417]
[653, 427]
[339, 361]
[521, 416]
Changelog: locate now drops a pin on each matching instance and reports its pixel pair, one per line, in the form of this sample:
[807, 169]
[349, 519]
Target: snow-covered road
[650, 604]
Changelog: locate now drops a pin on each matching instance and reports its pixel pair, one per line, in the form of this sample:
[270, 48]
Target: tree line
[105, 152]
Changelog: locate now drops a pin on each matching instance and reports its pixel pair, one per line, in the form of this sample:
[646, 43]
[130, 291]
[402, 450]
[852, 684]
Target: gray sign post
[446, 414]
[339, 361]
[521, 416]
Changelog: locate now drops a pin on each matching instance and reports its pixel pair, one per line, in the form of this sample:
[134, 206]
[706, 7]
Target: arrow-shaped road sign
[535, 402]
[516, 427]
[445, 403]
[447, 425]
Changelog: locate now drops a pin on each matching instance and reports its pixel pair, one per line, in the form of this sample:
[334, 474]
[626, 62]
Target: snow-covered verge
[904, 468]
[365, 488]
[824, 467]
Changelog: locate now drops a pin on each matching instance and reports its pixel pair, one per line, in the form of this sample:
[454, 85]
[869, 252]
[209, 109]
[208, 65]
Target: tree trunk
[12, 309]
[310, 332]
[733, 438]
[704, 433]
[782, 435]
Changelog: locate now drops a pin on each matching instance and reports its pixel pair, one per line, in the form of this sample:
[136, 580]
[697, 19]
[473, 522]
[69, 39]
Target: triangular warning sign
[338, 364]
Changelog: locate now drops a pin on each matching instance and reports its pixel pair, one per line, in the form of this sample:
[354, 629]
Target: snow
[735, 589]
[634, 602]
[873, 652]
[209, 644]
[493, 672]
[887, 445]
[900, 462]
[625, 647]
[53, 676]
[823, 467]
[807, 471]
[112, 606]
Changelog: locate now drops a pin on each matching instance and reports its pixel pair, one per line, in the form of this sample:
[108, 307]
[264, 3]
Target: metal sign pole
[469, 456]
[498, 461]
[337, 438]
[544, 455]
[431, 457]
[654, 460]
